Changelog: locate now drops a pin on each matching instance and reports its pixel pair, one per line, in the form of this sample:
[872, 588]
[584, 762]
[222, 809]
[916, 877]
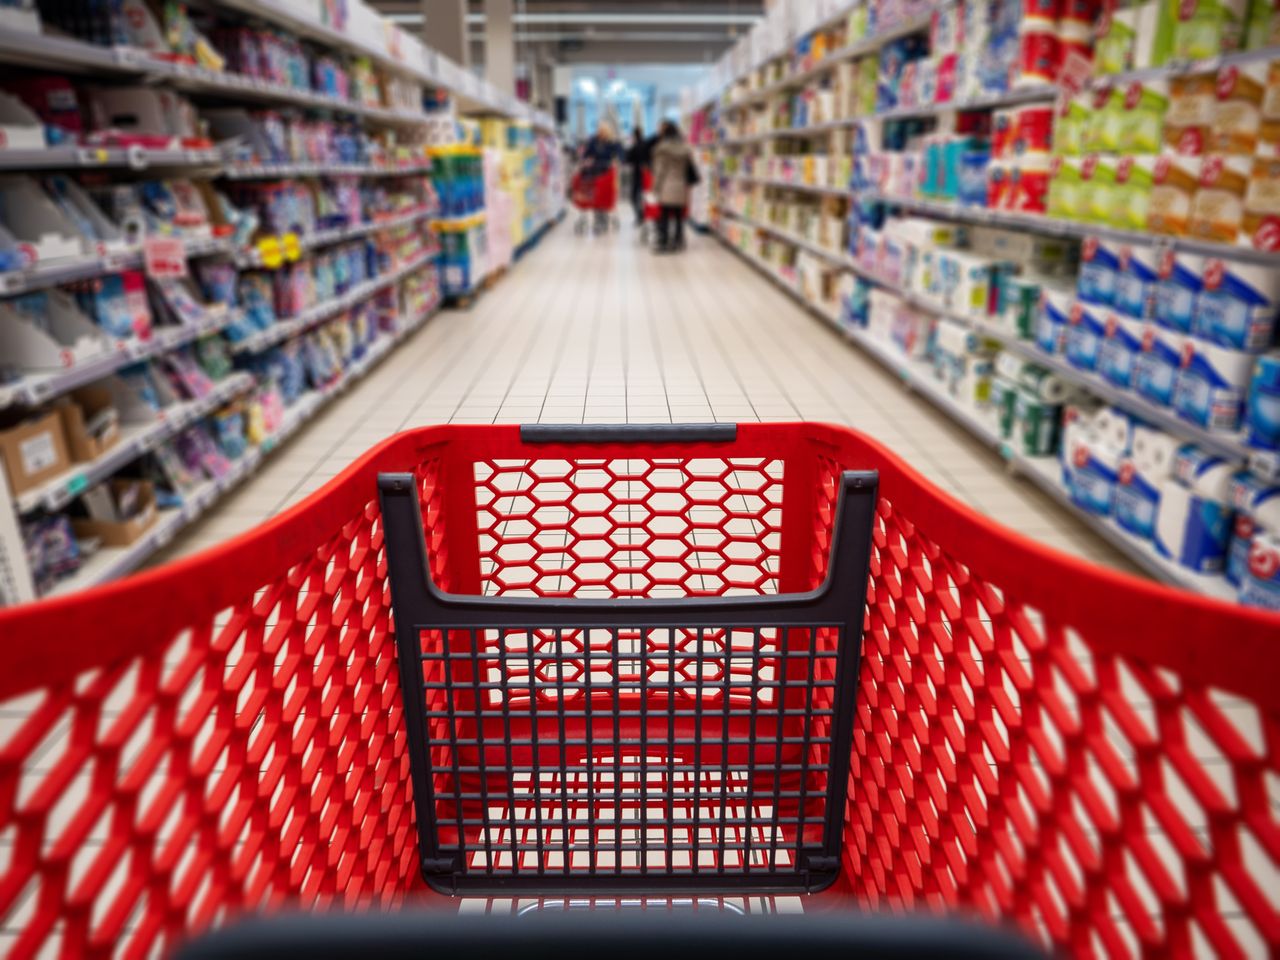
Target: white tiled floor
[603, 331]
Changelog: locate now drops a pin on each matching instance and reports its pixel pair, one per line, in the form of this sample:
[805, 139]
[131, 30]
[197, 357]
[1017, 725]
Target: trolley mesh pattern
[650, 746]
[630, 528]
[1092, 757]
[659, 754]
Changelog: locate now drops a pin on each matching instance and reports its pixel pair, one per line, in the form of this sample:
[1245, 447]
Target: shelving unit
[113, 562]
[33, 390]
[1044, 472]
[1056, 227]
[363, 34]
[849, 52]
[133, 443]
[765, 190]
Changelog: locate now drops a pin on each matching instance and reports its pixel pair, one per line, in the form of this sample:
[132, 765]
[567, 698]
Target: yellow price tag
[292, 247]
[269, 252]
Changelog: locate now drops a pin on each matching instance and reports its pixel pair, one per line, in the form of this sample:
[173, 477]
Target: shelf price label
[270, 252]
[164, 258]
[92, 156]
[292, 247]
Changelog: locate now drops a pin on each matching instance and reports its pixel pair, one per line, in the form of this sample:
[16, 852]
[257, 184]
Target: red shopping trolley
[595, 195]
[766, 659]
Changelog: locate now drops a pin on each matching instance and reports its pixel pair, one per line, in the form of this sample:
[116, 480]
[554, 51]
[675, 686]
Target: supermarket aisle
[603, 331]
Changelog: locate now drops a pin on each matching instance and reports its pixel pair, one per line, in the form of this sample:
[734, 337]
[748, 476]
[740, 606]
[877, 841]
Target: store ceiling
[611, 32]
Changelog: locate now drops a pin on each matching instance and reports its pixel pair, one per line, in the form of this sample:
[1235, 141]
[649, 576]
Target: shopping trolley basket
[595, 195]
[1034, 739]
[604, 742]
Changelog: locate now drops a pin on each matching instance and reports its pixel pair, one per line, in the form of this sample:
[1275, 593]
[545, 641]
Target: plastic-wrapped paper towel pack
[1193, 523]
[1262, 412]
[1257, 513]
[1211, 385]
[1095, 442]
[1142, 475]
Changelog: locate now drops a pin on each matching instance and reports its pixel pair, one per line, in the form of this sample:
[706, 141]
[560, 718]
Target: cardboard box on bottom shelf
[91, 421]
[34, 451]
[121, 533]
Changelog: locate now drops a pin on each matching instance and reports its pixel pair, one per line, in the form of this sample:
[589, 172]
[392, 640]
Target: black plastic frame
[419, 605]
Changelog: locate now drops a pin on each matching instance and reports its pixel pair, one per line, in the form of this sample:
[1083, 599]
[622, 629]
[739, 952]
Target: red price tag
[1075, 73]
[164, 258]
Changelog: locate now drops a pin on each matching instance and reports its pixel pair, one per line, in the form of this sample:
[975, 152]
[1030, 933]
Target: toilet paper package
[1137, 496]
[1051, 321]
[1211, 384]
[1178, 288]
[1004, 396]
[1262, 407]
[1154, 34]
[1018, 300]
[1115, 429]
[1009, 366]
[1155, 370]
[1084, 334]
[1193, 522]
[1137, 499]
[1257, 510]
[1113, 52]
[1145, 104]
[1066, 194]
[1090, 469]
[1136, 278]
[1154, 451]
[1135, 179]
[1263, 27]
[1099, 265]
[1193, 98]
[1206, 28]
[1260, 224]
[1175, 183]
[1043, 384]
[1104, 133]
[1260, 581]
[1098, 177]
[1120, 349]
[1036, 424]
[1217, 212]
[1239, 305]
[1237, 117]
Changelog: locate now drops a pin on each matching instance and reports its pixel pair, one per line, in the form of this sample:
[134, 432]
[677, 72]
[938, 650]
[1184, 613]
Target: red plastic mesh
[1005, 758]
[253, 760]
[629, 528]
[1004, 761]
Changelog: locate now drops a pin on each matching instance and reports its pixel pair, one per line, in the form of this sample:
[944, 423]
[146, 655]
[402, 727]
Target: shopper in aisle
[638, 158]
[673, 172]
[600, 152]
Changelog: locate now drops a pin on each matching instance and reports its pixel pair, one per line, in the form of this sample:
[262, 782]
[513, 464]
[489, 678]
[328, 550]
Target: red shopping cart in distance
[639, 662]
[595, 195]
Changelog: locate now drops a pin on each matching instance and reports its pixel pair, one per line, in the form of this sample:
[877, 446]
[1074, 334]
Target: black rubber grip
[629, 432]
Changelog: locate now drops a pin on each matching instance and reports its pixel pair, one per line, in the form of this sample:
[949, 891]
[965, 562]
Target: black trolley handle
[417, 599]
[629, 432]
[838, 603]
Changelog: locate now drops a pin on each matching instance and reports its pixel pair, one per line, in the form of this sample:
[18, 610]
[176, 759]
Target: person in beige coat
[672, 176]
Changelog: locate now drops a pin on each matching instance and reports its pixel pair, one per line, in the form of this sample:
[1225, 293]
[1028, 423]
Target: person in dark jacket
[672, 176]
[638, 157]
[599, 153]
